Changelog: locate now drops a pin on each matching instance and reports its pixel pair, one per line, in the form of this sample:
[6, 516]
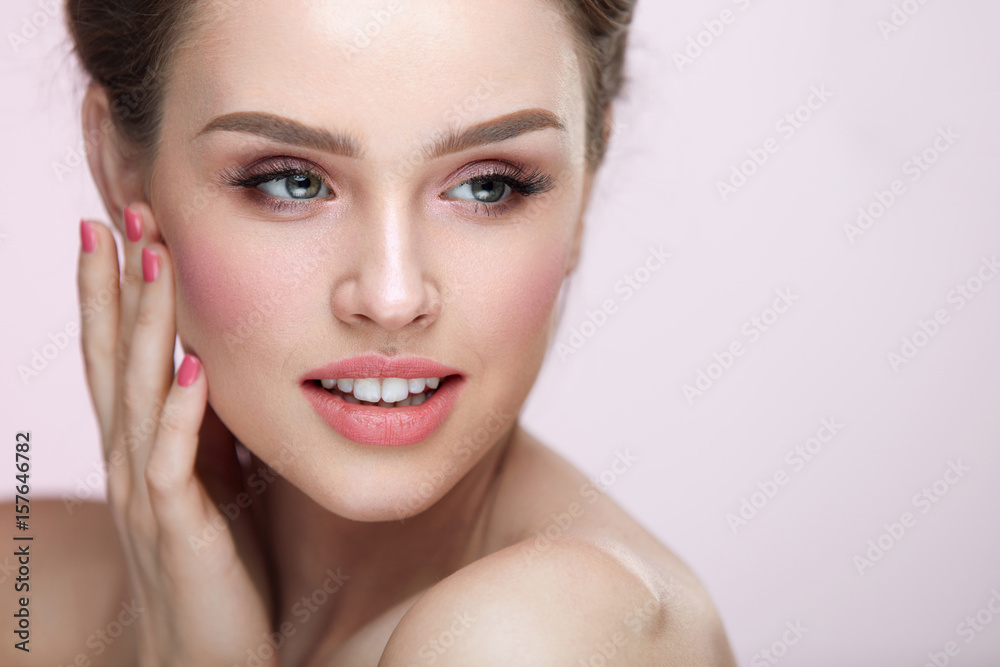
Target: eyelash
[269, 170]
[525, 182]
[522, 180]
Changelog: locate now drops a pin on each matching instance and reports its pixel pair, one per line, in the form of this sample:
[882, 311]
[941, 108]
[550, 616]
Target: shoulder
[577, 600]
[74, 581]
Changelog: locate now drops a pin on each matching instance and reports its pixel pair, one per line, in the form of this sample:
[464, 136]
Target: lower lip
[386, 427]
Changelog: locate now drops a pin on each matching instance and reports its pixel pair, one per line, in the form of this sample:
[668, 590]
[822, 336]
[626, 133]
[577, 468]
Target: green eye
[296, 186]
[484, 190]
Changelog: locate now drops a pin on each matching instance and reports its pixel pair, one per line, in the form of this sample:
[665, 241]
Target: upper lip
[376, 366]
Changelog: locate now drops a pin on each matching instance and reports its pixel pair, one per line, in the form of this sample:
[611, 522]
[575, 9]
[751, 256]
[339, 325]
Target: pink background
[681, 130]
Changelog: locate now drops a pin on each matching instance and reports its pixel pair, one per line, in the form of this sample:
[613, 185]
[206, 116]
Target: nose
[386, 282]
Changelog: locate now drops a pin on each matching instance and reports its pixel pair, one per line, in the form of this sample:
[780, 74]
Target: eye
[281, 181]
[483, 190]
[301, 185]
[490, 191]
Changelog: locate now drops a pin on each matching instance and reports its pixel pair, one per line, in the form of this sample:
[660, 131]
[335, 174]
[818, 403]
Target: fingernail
[133, 225]
[188, 372]
[150, 265]
[88, 237]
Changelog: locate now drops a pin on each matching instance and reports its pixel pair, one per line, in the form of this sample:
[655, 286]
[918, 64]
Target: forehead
[387, 70]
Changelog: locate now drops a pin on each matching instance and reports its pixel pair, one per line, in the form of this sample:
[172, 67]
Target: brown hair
[125, 46]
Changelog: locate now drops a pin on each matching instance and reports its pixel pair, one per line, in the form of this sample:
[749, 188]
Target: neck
[376, 564]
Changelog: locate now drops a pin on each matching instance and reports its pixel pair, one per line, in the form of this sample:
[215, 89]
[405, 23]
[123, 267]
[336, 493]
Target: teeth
[367, 389]
[385, 392]
[394, 389]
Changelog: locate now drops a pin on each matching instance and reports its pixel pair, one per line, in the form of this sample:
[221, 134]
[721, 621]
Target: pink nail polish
[133, 225]
[188, 372]
[150, 265]
[88, 237]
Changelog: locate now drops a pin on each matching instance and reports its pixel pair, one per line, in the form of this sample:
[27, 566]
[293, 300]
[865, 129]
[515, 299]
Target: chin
[372, 496]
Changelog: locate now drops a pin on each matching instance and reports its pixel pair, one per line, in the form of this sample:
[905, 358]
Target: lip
[374, 425]
[375, 366]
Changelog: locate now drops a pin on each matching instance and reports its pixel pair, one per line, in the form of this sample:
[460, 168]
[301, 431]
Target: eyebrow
[288, 131]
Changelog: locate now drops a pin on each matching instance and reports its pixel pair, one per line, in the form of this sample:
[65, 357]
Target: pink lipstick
[377, 400]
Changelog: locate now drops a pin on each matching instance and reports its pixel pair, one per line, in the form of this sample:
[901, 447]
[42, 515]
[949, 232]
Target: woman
[357, 217]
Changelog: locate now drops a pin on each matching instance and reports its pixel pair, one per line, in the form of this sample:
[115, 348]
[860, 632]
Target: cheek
[212, 295]
[231, 300]
[521, 300]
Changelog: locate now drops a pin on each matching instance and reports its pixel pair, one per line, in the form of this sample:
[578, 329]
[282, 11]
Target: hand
[199, 580]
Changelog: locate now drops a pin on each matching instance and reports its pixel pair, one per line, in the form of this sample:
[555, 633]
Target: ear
[588, 185]
[116, 166]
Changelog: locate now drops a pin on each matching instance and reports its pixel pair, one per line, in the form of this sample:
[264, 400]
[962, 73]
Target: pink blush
[212, 288]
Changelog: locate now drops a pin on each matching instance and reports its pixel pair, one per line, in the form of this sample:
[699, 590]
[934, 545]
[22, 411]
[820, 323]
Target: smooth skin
[499, 553]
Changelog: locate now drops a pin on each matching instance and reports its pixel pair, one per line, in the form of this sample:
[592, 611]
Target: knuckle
[134, 399]
[160, 480]
[130, 278]
[96, 349]
[130, 441]
[171, 420]
[145, 317]
[121, 353]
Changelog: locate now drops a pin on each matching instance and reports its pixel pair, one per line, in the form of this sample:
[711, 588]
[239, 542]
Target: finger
[97, 282]
[131, 281]
[172, 486]
[147, 376]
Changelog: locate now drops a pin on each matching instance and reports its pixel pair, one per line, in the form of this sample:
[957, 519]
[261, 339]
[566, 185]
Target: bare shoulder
[581, 584]
[574, 603]
[69, 583]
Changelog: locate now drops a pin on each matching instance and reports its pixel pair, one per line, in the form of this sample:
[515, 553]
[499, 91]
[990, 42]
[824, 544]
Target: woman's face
[313, 185]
